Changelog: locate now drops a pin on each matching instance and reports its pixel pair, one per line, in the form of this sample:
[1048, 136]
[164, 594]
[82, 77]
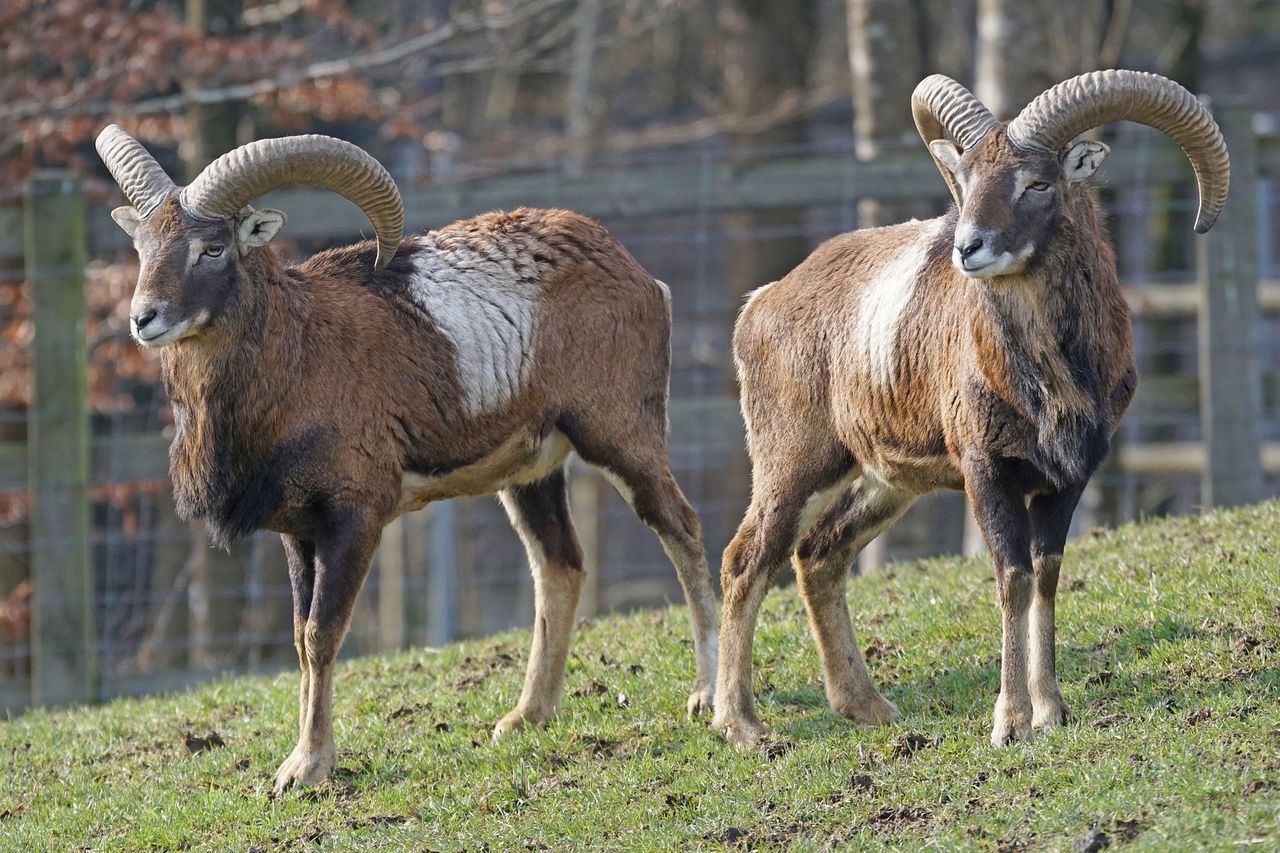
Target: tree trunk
[765, 55]
[167, 618]
[212, 129]
[886, 59]
[1015, 55]
[888, 55]
[578, 119]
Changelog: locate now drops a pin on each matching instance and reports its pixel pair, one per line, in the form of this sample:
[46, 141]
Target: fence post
[586, 497]
[391, 586]
[442, 572]
[1230, 382]
[63, 639]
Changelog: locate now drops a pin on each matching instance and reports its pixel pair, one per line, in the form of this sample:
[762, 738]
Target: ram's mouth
[977, 270]
[156, 338]
[985, 268]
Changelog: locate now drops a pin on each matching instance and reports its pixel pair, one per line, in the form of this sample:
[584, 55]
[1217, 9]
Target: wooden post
[63, 639]
[442, 573]
[417, 546]
[578, 120]
[391, 586]
[874, 555]
[586, 499]
[1230, 382]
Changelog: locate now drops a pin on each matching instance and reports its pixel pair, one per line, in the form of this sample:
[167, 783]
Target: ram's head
[1011, 182]
[193, 241]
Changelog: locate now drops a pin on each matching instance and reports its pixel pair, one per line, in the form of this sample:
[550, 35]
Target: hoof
[1012, 722]
[701, 700]
[518, 720]
[742, 731]
[303, 768]
[1049, 712]
[868, 711]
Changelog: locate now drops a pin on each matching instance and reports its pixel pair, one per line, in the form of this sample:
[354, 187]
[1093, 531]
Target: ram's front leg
[1050, 521]
[1000, 508]
[341, 561]
[301, 556]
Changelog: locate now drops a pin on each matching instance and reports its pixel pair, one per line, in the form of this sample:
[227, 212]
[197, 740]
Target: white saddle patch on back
[486, 304]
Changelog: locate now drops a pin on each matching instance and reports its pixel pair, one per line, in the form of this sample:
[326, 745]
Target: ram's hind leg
[540, 514]
[822, 563]
[658, 502]
[635, 462]
[787, 486]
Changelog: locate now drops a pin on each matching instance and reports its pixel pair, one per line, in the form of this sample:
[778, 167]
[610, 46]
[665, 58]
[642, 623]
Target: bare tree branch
[70, 104]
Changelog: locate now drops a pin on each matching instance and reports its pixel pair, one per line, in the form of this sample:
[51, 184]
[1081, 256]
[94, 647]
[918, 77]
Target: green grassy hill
[1169, 654]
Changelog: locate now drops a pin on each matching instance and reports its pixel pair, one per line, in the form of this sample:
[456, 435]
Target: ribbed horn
[144, 183]
[238, 177]
[1070, 108]
[943, 108]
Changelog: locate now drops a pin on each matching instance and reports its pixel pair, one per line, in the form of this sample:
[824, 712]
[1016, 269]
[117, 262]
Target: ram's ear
[1081, 160]
[127, 218]
[947, 153]
[260, 227]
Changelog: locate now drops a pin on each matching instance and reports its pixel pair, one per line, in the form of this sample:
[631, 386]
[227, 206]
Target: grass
[1169, 654]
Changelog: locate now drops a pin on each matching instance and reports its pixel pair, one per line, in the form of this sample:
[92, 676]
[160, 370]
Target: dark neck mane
[223, 402]
[1056, 328]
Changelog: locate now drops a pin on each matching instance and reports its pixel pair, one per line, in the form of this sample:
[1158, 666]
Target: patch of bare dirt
[379, 820]
[893, 818]
[1198, 716]
[197, 744]
[591, 688]
[483, 668]
[1110, 721]
[599, 747]
[910, 743]
[862, 783]
[877, 650]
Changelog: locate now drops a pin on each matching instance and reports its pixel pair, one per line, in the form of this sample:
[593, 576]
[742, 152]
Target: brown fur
[310, 392]
[1006, 387]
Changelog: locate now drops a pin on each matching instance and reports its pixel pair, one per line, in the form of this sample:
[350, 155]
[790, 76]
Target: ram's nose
[141, 321]
[967, 249]
[153, 322]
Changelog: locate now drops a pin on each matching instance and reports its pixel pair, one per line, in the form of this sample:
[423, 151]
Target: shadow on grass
[1109, 672]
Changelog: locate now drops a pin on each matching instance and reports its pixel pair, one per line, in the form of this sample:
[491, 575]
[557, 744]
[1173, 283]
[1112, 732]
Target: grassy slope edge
[1169, 654]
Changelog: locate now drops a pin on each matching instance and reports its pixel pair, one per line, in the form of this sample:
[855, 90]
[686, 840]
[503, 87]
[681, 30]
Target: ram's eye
[213, 251]
[1039, 186]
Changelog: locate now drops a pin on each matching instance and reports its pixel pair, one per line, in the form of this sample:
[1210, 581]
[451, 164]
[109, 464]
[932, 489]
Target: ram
[322, 400]
[988, 350]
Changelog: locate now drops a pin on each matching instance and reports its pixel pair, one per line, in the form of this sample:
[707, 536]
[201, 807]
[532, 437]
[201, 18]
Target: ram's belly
[917, 473]
[523, 458]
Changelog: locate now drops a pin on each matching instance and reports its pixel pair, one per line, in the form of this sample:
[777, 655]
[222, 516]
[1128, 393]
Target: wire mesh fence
[168, 610]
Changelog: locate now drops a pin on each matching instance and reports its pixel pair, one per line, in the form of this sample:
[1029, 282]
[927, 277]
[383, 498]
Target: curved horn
[942, 108]
[1070, 108]
[238, 177]
[144, 183]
